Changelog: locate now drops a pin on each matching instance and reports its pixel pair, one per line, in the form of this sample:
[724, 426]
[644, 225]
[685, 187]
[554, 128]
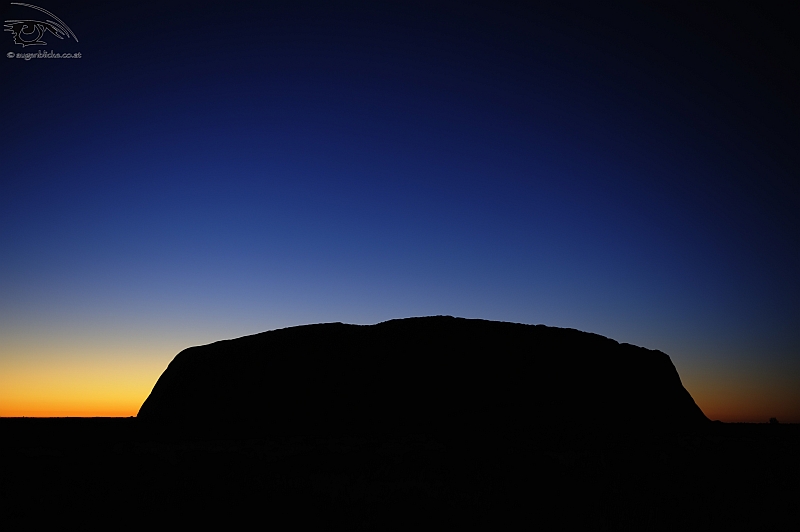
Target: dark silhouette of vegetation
[99, 471]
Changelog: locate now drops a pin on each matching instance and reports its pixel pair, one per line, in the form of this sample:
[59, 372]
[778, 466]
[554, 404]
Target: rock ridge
[425, 374]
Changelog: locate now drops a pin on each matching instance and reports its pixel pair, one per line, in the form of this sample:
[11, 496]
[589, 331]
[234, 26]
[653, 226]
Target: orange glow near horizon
[82, 399]
[112, 377]
[74, 371]
[747, 408]
[74, 378]
[79, 392]
[743, 394]
[108, 389]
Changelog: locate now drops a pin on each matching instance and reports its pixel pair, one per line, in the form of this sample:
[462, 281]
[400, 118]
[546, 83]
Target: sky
[203, 172]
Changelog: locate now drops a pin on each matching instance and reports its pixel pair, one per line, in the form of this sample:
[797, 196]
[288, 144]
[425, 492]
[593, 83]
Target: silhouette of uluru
[419, 375]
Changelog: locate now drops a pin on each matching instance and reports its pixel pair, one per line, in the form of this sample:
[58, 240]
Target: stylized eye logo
[30, 32]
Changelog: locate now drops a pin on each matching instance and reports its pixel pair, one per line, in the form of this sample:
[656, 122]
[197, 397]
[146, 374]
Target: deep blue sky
[205, 172]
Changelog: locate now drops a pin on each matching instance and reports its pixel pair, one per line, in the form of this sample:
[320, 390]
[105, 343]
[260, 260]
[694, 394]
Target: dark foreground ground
[115, 472]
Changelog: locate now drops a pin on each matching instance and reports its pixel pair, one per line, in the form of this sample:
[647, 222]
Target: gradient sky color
[207, 172]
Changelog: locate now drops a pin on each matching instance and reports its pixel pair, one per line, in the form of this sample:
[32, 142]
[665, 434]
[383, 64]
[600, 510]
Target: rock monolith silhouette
[417, 375]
